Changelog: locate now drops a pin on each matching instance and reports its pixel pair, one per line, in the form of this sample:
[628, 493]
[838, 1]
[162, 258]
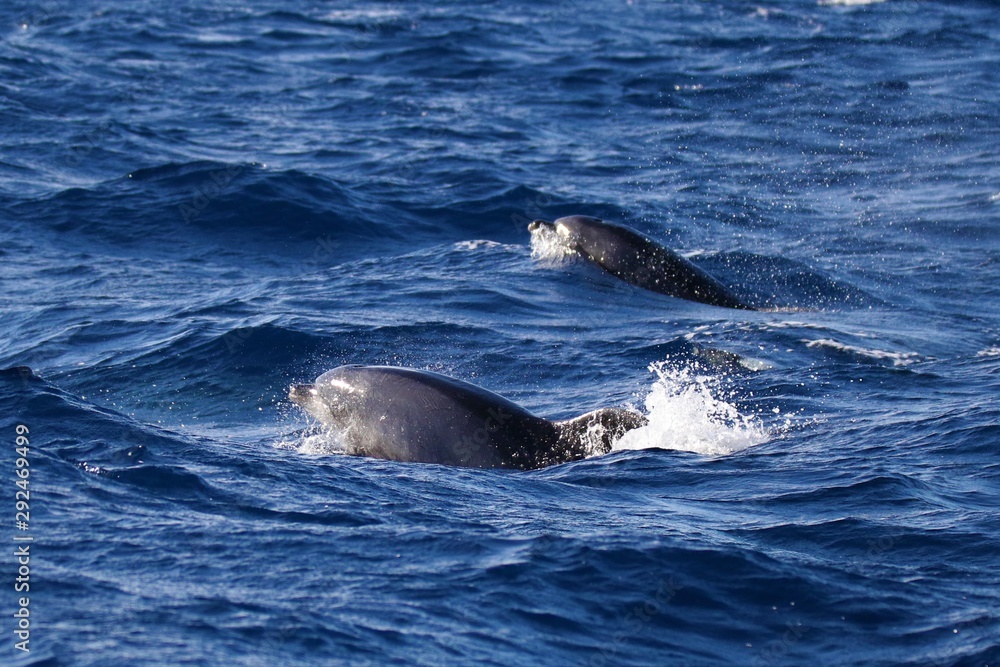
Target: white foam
[317, 441]
[468, 246]
[791, 324]
[989, 352]
[897, 358]
[850, 3]
[686, 412]
[548, 247]
[380, 14]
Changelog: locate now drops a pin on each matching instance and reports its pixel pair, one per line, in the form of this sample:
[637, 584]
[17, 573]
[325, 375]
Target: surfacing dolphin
[637, 259]
[404, 414]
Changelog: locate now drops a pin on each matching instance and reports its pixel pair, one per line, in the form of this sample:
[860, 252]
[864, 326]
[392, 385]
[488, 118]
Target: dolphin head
[307, 397]
[576, 231]
[535, 225]
[569, 229]
[331, 398]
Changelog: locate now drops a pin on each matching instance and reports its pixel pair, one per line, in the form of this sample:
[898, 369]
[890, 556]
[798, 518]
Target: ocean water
[204, 202]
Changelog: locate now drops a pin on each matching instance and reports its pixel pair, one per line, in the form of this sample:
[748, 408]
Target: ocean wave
[190, 205]
[867, 354]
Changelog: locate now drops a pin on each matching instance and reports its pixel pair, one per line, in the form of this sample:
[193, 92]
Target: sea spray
[686, 411]
[548, 248]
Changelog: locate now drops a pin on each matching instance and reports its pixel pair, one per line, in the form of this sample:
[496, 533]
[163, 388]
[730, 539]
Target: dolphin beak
[538, 224]
[302, 393]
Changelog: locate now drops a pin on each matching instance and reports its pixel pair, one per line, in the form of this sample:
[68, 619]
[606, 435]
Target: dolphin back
[637, 259]
[404, 414]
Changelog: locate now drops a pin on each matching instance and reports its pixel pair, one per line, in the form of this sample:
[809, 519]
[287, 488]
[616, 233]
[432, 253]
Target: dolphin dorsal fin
[596, 432]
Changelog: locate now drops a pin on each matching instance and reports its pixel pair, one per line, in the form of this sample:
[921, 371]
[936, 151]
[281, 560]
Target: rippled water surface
[202, 203]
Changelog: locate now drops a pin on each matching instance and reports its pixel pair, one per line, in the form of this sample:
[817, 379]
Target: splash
[548, 248]
[316, 441]
[849, 3]
[469, 246]
[686, 413]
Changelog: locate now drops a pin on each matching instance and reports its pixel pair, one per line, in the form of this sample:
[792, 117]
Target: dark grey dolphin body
[636, 259]
[403, 414]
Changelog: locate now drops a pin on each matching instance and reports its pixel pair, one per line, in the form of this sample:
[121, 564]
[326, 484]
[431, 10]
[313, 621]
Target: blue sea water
[204, 202]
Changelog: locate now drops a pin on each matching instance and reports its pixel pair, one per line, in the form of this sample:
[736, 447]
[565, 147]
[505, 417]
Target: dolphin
[637, 259]
[405, 414]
